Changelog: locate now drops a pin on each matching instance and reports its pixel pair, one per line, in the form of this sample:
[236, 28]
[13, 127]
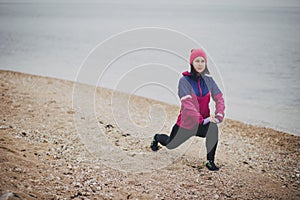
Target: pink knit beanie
[196, 53]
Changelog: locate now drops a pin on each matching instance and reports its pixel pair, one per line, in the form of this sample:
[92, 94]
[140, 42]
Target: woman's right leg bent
[210, 132]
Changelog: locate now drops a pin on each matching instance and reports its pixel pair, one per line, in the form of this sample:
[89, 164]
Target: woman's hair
[205, 71]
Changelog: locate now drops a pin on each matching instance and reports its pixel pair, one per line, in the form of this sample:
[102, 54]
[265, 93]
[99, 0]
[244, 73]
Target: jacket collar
[192, 75]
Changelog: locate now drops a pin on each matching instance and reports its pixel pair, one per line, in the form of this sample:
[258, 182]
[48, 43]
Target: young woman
[195, 89]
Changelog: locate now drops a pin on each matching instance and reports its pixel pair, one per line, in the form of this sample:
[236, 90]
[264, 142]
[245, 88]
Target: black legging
[179, 135]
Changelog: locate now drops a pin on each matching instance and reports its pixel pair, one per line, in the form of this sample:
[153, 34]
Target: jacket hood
[186, 73]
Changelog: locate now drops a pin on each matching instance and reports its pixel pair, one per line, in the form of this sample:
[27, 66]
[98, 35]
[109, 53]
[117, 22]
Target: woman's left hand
[212, 119]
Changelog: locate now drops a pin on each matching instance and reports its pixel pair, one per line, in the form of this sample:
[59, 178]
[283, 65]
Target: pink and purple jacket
[194, 93]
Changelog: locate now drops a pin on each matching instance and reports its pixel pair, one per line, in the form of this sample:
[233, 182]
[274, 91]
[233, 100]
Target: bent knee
[213, 127]
[213, 130]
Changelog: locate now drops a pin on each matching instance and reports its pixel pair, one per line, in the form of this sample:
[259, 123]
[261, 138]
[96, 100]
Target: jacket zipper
[199, 87]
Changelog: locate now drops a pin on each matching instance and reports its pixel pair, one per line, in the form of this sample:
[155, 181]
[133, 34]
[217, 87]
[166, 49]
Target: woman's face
[199, 64]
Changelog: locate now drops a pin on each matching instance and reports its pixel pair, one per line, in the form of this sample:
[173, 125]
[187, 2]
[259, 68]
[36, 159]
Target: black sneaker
[154, 144]
[211, 165]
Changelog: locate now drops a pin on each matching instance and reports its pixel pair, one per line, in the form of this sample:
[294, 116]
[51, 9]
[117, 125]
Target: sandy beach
[45, 156]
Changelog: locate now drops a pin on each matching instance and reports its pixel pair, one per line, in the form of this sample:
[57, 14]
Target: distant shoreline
[55, 78]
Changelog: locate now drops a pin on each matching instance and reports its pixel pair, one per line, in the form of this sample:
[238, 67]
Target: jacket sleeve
[189, 108]
[219, 100]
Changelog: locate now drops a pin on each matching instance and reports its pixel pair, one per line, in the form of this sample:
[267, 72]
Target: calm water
[254, 49]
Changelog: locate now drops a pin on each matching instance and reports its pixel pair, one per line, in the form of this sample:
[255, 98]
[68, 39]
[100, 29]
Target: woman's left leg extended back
[178, 136]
